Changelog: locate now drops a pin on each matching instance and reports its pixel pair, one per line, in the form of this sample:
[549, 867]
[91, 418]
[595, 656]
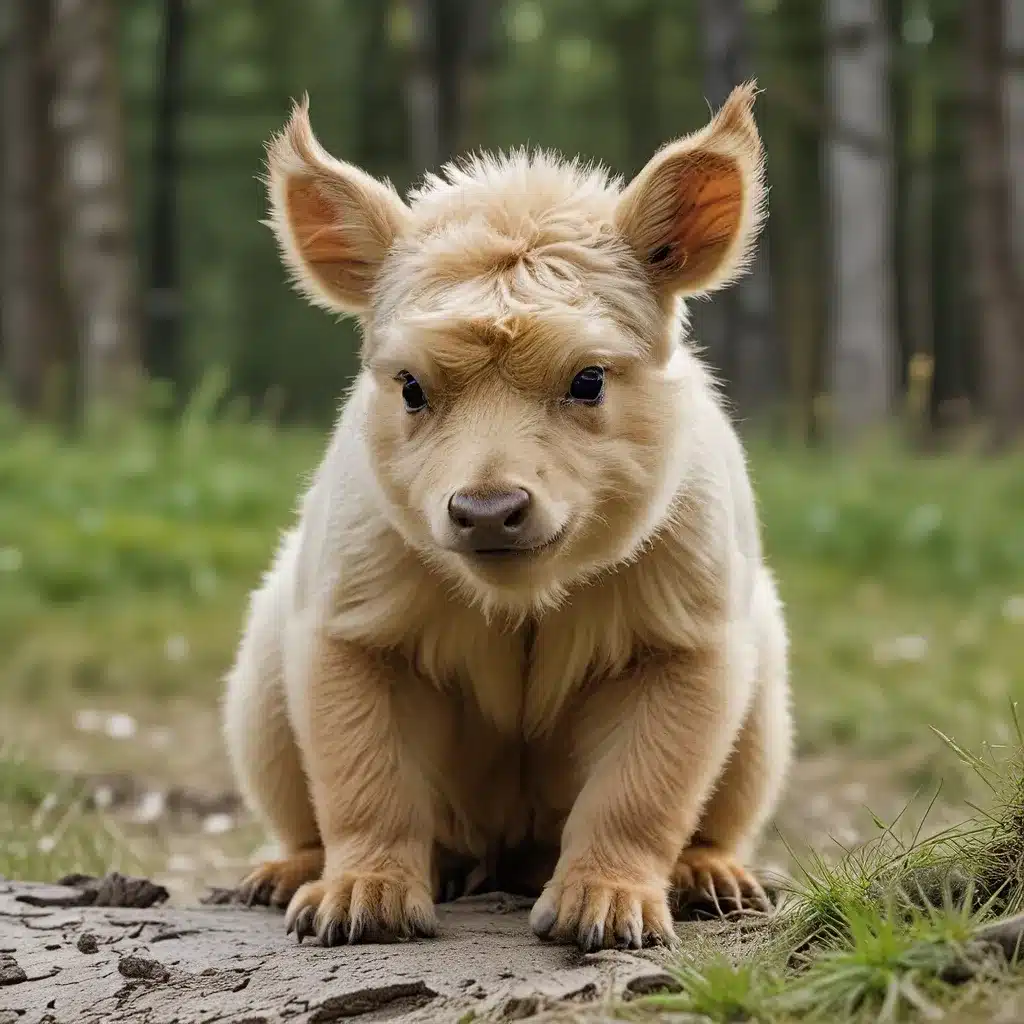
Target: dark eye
[412, 393]
[588, 385]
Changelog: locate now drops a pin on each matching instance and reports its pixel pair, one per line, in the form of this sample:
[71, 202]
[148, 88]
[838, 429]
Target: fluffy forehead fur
[503, 240]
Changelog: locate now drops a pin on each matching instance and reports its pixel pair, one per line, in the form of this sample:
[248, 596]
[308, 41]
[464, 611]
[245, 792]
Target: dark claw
[629, 936]
[734, 903]
[422, 926]
[256, 894]
[755, 898]
[304, 923]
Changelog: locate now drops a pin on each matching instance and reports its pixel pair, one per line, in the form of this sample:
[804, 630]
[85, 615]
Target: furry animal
[524, 616]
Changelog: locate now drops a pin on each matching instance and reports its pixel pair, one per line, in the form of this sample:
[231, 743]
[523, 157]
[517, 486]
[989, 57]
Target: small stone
[10, 972]
[87, 943]
[521, 1007]
[140, 967]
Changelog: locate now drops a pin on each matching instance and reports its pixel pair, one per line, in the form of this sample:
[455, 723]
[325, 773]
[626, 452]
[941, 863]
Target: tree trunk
[101, 255]
[994, 282]
[381, 134]
[37, 341]
[737, 327]
[632, 34]
[862, 327]
[954, 379]
[1013, 14]
[163, 347]
[450, 38]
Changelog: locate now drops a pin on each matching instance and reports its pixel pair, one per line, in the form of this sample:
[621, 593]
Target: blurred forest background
[165, 393]
[890, 280]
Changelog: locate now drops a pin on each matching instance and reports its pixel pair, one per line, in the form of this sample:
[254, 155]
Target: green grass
[888, 933]
[45, 831]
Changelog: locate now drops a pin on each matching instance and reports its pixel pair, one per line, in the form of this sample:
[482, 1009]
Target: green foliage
[45, 832]
[153, 511]
[995, 849]
[885, 934]
[947, 523]
[720, 991]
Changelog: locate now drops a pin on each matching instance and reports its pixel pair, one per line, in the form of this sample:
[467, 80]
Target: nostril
[516, 518]
[460, 512]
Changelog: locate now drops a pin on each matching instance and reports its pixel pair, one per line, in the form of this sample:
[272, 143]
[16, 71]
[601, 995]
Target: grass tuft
[995, 847]
[719, 991]
[890, 932]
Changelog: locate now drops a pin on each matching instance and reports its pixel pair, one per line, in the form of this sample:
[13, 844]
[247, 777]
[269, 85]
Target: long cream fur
[619, 698]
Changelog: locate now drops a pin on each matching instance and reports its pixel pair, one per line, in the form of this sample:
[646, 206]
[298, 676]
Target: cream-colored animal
[524, 618]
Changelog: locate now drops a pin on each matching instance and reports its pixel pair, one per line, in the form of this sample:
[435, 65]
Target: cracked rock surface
[67, 961]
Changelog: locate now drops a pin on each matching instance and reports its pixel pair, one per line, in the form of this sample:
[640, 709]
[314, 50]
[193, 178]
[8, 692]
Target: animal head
[528, 392]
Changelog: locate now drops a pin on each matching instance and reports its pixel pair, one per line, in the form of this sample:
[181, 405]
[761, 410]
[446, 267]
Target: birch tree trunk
[101, 254]
[36, 337]
[862, 316]
[737, 327]
[995, 285]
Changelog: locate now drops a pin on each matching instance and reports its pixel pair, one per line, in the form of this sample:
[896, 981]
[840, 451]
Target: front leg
[372, 804]
[652, 746]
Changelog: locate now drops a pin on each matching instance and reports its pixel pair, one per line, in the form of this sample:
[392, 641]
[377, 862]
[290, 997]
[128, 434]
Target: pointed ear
[334, 223]
[693, 213]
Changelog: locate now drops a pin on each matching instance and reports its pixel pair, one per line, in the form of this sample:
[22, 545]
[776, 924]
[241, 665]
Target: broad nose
[489, 521]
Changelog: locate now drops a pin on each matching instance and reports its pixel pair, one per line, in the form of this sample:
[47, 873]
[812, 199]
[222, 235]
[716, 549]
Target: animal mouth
[516, 552]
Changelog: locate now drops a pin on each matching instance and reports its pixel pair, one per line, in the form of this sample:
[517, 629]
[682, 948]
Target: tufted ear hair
[692, 215]
[334, 223]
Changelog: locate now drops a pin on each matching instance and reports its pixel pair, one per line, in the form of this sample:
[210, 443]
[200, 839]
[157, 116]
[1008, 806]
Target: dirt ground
[63, 963]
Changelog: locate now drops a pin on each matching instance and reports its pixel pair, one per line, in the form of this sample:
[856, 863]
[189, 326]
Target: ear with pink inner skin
[692, 215]
[334, 223]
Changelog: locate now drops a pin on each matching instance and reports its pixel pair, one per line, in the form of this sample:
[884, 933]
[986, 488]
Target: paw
[707, 880]
[275, 882]
[599, 913]
[362, 906]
